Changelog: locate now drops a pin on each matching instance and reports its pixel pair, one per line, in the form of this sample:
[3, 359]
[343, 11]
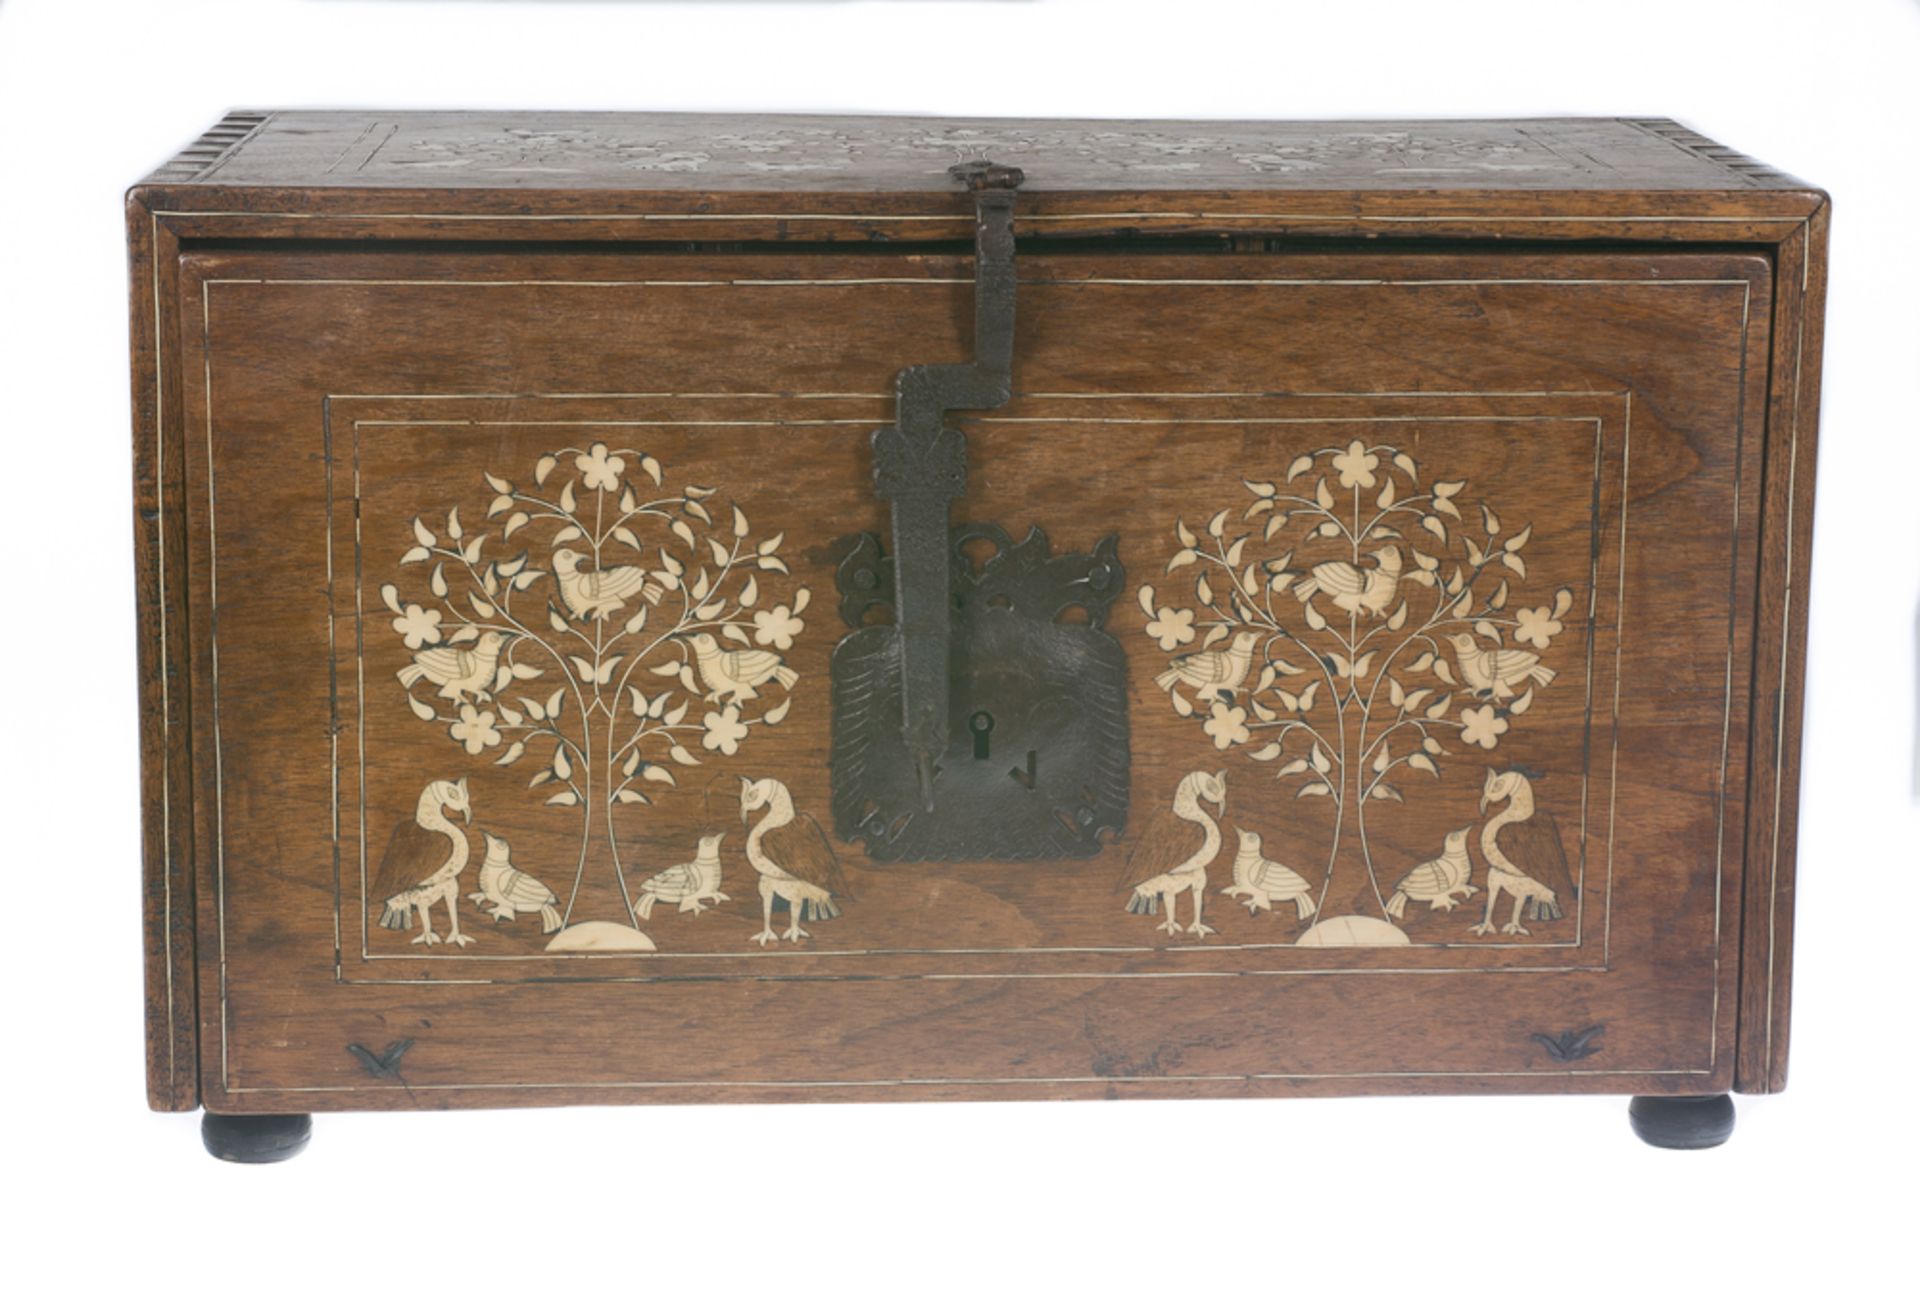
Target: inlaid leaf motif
[1388, 626]
[591, 613]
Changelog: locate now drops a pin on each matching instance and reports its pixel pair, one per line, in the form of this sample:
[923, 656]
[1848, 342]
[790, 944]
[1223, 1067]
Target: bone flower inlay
[1353, 625]
[605, 632]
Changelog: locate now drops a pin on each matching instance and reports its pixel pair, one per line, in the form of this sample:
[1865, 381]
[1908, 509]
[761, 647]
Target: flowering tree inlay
[1359, 668]
[631, 634]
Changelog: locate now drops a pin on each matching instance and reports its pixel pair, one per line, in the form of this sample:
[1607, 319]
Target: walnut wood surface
[282, 366]
[526, 150]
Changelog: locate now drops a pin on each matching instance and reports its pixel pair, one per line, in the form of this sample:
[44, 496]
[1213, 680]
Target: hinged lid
[702, 176]
[817, 153]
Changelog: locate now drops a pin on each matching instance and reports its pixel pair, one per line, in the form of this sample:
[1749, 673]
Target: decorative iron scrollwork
[984, 717]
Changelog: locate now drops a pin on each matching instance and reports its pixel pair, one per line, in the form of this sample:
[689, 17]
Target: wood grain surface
[528, 150]
[305, 412]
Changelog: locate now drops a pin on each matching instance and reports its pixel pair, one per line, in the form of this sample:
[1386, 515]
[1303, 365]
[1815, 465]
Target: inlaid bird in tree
[422, 864]
[1212, 674]
[598, 594]
[1492, 673]
[736, 673]
[1172, 856]
[461, 675]
[1522, 847]
[589, 609]
[1383, 631]
[1367, 590]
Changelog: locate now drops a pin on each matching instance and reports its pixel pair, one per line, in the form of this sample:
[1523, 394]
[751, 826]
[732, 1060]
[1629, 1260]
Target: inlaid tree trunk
[1341, 616]
[603, 656]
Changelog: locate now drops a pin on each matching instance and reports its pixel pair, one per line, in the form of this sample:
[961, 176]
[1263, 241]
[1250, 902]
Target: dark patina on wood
[1459, 644]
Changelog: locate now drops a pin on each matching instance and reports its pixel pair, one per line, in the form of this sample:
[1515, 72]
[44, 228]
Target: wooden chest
[651, 608]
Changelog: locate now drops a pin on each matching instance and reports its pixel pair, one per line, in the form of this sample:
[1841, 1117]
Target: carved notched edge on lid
[194, 161]
[1752, 172]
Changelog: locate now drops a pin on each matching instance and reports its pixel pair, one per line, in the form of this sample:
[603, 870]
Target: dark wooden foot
[255, 1138]
[1682, 1123]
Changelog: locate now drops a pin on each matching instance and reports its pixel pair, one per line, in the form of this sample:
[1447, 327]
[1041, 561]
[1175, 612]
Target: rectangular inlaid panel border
[1591, 833]
[219, 821]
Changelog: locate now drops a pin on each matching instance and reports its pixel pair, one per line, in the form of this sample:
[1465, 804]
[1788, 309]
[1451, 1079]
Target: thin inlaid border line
[372, 126]
[960, 219]
[367, 956]
[213, 645]
[1780, 703]
[1599, 444]
[985, 419]
[1619, 641]
[889, 280]
[1726, 716]
[772, 1084]
[858, 397]
[360, 687]
[220, 820]
[333, 682]
[671, 983]
[166, 683]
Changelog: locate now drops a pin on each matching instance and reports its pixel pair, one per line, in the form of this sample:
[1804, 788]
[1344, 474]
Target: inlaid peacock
[1522, 848]
[797, 866]
[423, 862]
[1172, 856]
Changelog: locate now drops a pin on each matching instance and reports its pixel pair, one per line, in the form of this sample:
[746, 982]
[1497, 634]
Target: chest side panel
[527, 578]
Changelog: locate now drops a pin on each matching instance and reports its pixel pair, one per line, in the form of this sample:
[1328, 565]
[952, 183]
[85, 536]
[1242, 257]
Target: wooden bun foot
[1682, 1123]
[255, 1138]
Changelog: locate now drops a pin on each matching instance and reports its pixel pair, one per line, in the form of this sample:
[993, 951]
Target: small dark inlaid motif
[1570, 1046]
[386, 1064]
[985, 717]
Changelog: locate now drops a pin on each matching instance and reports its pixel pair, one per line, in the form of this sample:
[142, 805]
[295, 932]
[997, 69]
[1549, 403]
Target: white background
[1488, 1204]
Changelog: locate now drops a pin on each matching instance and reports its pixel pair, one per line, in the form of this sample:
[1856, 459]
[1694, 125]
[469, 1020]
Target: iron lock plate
[986, 716]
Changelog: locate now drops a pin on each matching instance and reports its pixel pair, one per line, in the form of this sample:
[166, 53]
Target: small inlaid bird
[1440, 882]
[1368, 590]
[423, 863]
[797, 866]
[686, 885]
[463, 674]
[737, 672]
[595, 595]
[1492, 673]
[513, 891]
[1172, 856]
[1213, 673]
[1259, 881]
[1523, 848]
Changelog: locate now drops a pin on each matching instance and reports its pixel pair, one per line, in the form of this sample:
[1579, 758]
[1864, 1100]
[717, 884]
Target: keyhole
[981, 724]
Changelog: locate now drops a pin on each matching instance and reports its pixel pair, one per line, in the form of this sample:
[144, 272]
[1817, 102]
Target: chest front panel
[517, 580]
